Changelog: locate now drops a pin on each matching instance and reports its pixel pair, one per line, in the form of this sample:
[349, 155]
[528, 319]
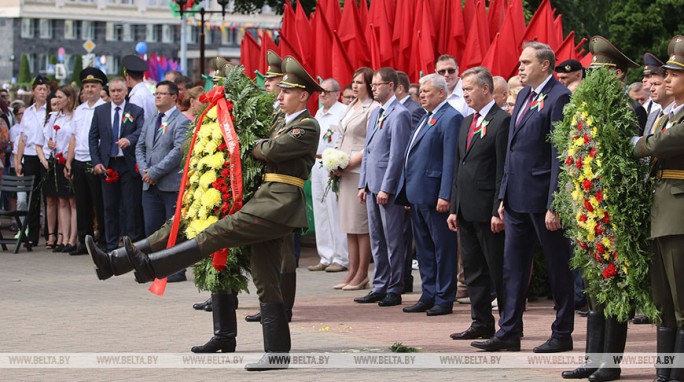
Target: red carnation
[222, 146]
[225, 173]
[587, 139]
[606, 218]
[578, 164]
[609, 271]
[580, 125]
[599, 196]
[592, 152]
[569, 161]
[599, 229]
[56, 127]
[600, 248]
[586, 184]
[583, 218]
[60, 158]
[582, 245]
[137, 170]
[588, 206]
[225, 197]
[112, 176]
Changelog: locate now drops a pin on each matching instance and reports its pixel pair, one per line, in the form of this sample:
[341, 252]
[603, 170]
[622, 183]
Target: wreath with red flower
[603, 199]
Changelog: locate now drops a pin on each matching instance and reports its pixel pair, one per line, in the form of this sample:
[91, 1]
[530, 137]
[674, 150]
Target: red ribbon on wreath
[225, 120]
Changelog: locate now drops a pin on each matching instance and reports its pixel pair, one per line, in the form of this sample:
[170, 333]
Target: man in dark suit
[388, 132]
[474, 214]
[428, 174]
[529, 181]
[158, 154]
[417, 112]
[114, 132]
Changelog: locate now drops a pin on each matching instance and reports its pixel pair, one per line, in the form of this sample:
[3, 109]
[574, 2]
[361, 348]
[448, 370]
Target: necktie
[524, 111]
[380, 118]
[158, 123]
[471, 130]
[115, 132]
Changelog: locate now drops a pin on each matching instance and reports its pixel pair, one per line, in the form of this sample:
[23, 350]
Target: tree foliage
[24, 71]
[76, 72]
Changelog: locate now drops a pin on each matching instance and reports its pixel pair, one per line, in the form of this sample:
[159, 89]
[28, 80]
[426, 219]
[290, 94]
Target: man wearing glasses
[447, 67]
[158, 154]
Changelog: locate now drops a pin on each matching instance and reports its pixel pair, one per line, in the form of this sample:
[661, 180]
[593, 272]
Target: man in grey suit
[389, 127]
[158, 154]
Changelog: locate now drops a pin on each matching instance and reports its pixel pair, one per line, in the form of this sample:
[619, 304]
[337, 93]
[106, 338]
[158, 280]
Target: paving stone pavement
[54, 303]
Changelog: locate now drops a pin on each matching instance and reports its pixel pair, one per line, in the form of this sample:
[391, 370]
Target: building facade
[39, 28]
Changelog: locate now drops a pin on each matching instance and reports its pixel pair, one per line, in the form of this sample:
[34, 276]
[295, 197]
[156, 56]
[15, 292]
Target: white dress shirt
[329, 121]
[141, 96]
[456, 100]
[32, 128]
[121, 115]
[83, 118]
[61, 136]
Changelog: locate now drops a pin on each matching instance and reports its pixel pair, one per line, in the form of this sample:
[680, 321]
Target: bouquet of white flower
[333, 160]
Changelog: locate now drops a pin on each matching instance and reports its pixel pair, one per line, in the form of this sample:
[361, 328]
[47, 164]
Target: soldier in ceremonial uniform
[605, 334]
[265, 222]
[570, 73]
[139, 95]
[666, 148]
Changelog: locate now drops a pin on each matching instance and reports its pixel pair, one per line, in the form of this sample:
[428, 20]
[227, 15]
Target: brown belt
[670, 174]
[287, 179]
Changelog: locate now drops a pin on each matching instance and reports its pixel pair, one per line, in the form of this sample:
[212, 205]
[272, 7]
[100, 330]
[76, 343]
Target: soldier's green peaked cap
[275, 65]
[607, 55]
[296, 77]
[675, 51]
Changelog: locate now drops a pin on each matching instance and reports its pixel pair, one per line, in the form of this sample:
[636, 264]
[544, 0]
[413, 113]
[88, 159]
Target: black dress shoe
[80, 250]
[641, 320]
[370, 297]
[440, 310]
[203, 305]
[68, 248]
[177, 277]
[496, 344]
[473, 333]
[256, 317]
[554, 345]
[391, 299]
[418, 307]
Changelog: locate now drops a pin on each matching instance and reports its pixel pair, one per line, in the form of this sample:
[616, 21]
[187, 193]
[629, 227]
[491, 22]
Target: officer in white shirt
[87, 187]
[140, 94]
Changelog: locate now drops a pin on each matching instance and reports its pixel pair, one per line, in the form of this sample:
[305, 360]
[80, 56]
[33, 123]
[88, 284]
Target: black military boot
[613, 344]
[160, 264]
[114, 263]
[288, 288]
[276, 339]
[225, 325]
[665, 344]
[596, 322]
[204, 305]
[677, 374]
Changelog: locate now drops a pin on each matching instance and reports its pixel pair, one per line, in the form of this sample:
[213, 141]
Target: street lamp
[202, 11]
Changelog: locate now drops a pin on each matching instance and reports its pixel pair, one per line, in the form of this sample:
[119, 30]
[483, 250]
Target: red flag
[566, 50]
[541, 28]
[558, 26]
[249, 55]
[288, 48]
[331, 9]
[304, 37]
[423, 54]
[288, 26]
[579, 52]
[322, 34]
[342, 68]
[491, 60]
[266, 45]
[495, 16]
[477, 42]
[402, 37]
[363, 12]
[469, 14]
[351, 35]
[379, 35]
[586, 60]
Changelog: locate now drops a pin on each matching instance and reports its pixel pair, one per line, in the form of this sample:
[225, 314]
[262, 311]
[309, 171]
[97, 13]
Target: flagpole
[183, 46]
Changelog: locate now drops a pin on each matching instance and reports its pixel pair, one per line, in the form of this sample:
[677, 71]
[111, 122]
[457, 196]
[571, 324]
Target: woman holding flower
[61, 204]
[353, 215]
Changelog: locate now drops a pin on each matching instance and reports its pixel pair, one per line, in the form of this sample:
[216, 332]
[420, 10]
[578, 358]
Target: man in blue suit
[529, 181]
[389, 127]
[428, 174]
[114, 132]
[158, 154]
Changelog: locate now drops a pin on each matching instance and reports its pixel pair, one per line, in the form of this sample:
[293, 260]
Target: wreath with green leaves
[252, 110]
[603, 198]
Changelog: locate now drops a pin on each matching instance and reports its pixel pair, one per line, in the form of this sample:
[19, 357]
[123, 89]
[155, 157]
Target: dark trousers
[521, 231]
[32, 166]
[436, 253]
[667, 281]
[482, 253]
[158, 207]
[88, 193]
[125, 193]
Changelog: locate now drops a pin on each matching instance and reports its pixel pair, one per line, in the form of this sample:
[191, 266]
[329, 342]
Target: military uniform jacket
[291, 150]
[667, 148]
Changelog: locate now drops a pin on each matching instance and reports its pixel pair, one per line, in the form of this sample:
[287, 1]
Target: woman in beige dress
[353, 215]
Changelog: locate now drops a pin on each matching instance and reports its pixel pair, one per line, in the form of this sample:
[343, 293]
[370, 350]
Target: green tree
[78, 66]
[52, 61]
[24, 77]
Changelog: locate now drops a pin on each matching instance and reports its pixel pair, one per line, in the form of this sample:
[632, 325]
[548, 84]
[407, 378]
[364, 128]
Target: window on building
[167, 33]
[110, 32]
[69, 29]
[27, 28]
[45, 28]
[227, 36]
[193, 34]
[87, 30]
[43, 62]
[127, 32]
[151, 34]
[208, 36]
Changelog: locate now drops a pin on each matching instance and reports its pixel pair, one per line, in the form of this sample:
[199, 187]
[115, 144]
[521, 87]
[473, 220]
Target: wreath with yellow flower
[603, 199]
[211, 190]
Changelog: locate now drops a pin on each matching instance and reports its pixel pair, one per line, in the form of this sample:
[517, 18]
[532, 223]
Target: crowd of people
[457, 171]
